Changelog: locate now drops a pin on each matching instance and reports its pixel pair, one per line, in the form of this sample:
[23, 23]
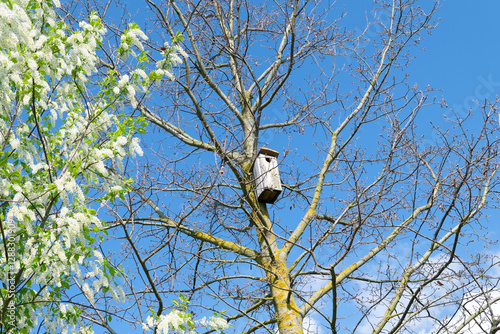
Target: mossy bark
[288, 315]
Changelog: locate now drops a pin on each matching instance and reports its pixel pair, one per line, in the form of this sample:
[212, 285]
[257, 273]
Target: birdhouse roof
[268, 151]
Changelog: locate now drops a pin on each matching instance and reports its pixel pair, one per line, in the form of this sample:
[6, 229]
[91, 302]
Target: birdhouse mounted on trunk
[267, 176]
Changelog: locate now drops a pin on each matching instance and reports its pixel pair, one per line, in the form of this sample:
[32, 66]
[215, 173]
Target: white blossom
[88, 292]
[215, 323]
[14, 143]
[101, 168]
[135, 148]
[123, 81]
[116, 188]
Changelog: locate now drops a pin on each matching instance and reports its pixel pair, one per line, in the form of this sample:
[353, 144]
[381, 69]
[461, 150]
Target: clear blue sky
[464, 48]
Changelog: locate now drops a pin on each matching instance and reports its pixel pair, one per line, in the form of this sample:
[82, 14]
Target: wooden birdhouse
[267, 176]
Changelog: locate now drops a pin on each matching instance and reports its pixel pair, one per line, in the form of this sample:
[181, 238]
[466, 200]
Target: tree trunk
[288, 314]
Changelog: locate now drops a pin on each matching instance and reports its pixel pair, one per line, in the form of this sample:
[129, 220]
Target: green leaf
[8, 3]
[3, 161]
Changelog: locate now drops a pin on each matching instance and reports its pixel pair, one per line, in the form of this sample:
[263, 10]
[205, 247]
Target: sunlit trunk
[288, 314]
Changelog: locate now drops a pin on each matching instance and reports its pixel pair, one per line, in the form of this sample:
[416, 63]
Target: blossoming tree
[62, 133]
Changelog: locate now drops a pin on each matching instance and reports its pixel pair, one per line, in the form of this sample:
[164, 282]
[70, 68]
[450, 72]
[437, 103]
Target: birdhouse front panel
[267, 176]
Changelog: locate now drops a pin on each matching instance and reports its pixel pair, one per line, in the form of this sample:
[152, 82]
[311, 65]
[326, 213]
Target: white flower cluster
[133, 37]
[170, 58]
[15, 27]
[175, 320]
[180, 321]
[215, 323]
[139, 80]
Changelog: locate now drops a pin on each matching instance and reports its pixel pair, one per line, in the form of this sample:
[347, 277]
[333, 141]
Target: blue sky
[462, 49]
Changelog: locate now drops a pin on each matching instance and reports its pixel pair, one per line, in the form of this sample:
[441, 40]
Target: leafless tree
[378, 228]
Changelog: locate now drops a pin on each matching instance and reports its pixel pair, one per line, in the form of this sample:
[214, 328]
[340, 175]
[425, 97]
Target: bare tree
[377, 228]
